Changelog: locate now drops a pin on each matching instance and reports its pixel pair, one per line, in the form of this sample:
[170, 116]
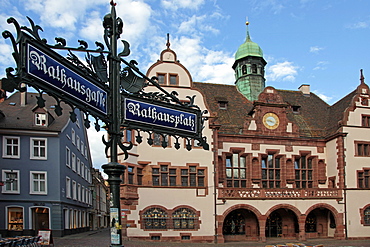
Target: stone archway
[322, 221]
[282, 221]
[239, 223]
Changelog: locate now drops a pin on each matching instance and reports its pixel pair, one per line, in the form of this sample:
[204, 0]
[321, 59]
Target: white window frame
[66, 218]
[78, 142]
[17, 180]
[73, 161]
[82, 147]
[74, 190]
[40, 118]
[5, 145]
[68, 187]
[87, 195]
[68, 157]
[78, 165]
[73, 136]
[32, 189]
[79, 192]
[7, 215]
[86, 173]
[83, 194]
[82, 170]
[32, 146]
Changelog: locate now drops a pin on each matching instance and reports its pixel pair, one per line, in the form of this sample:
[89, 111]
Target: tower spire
[168, 41]
[362, 78]
[247, 24]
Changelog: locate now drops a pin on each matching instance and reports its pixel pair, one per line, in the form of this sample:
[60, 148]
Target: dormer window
[296, 109]
[40, 119]
[222, 105]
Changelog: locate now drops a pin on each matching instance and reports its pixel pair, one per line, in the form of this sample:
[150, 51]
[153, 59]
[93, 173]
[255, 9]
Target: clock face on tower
[270, 120]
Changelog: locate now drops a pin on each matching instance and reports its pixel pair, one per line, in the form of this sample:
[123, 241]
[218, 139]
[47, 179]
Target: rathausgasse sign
[45, 68]
[159, 116]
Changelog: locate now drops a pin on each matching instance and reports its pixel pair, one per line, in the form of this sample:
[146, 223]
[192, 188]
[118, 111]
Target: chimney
[305, 89]
[24, 96]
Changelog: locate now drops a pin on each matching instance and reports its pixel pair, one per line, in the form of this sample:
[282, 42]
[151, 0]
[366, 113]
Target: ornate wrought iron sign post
[115, 97]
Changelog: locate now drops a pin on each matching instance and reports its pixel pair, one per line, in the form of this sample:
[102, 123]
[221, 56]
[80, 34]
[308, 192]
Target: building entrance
[40, 218]
[239, 225]
[274, 225]
[282, 223]
[320, 223]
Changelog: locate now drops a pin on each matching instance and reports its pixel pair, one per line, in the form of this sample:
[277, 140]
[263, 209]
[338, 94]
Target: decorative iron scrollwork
[132, 80]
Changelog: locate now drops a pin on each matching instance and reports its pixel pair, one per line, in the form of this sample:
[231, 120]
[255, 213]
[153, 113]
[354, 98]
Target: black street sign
[49, 69]
[160, 117]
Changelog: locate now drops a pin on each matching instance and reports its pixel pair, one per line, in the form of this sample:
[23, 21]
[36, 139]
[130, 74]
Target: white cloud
[6, 58]
[321, 65]
[184, 4]
[196, 24]
[284, 71]
[275, 6]
[136, 18]
[97, 148]
[203, 64]
[358, 25]
[93, 29]
[61, 14]
[315, 49]
[323, 96]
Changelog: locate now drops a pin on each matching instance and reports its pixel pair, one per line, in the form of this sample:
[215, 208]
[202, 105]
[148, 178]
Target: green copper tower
[249, 67]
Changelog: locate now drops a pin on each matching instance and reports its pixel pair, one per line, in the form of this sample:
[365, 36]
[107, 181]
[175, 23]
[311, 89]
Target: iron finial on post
[168, 41]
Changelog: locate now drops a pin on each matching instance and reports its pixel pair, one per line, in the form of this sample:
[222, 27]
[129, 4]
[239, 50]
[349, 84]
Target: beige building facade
[282, 163]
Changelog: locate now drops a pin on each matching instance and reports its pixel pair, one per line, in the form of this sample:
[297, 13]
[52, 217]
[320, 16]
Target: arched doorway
[282, 223]
[274, 225]
[40, 218]
[320, 223]
[239, 225]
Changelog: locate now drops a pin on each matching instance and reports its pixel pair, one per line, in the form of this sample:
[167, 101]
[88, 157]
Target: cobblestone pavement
[101, 238]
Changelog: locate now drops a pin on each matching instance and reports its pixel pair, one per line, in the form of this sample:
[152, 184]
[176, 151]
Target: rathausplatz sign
[159, 116]
[45, 68]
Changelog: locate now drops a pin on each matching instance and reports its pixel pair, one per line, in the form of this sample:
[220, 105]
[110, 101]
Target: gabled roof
[237, 106]
[19, 117]
[312, 114]
[314, 117]
[337, 111]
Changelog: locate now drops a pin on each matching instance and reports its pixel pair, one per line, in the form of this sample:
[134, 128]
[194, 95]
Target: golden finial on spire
[246, 21]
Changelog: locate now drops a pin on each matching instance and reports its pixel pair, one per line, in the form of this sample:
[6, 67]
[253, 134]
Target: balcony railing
[264, 194]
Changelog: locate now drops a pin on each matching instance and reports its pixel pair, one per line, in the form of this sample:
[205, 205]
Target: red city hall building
[283, 163]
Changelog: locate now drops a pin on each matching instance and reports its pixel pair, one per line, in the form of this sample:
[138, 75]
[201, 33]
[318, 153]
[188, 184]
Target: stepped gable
[337, 111]
[20, 117]
[233, 117]
[308, 112]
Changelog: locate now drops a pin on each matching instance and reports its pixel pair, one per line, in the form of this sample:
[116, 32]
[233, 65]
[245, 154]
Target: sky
[323, 43]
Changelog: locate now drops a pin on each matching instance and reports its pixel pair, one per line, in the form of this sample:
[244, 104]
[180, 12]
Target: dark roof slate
[315, 118]
[232, 118]
[21, 117]
[312, 113]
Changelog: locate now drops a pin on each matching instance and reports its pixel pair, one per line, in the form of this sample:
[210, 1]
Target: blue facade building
[45, 168]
